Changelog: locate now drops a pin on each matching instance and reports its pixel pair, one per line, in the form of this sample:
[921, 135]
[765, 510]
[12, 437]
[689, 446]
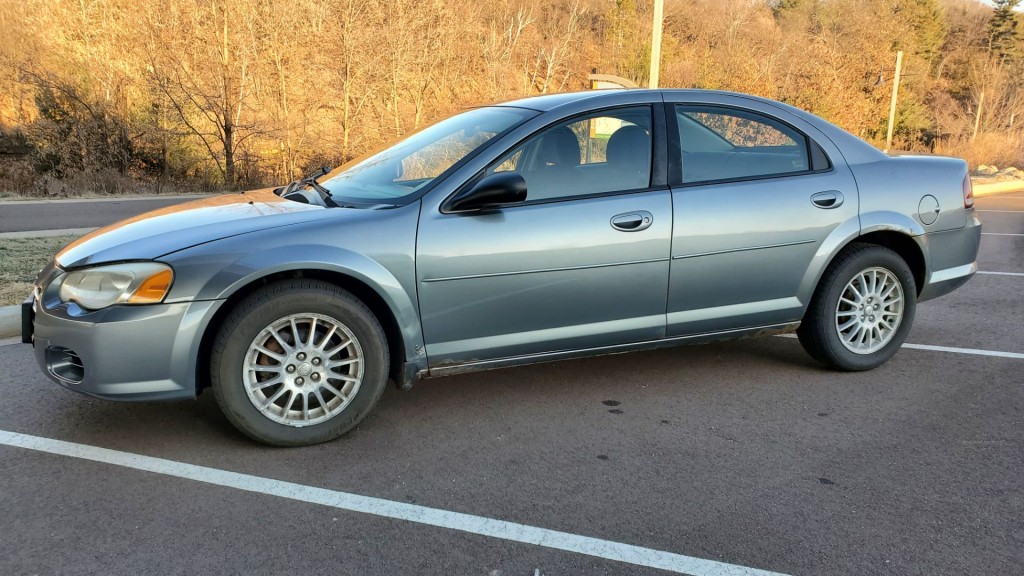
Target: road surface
[19, 216]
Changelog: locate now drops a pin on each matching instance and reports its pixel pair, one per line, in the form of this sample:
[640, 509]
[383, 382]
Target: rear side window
[726, 144]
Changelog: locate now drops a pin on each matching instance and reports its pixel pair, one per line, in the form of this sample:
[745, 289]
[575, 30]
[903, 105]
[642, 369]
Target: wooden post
[659, 15]
[892, 103]
[977, 116]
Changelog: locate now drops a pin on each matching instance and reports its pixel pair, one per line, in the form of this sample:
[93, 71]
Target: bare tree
[231, 92]
[211, 106]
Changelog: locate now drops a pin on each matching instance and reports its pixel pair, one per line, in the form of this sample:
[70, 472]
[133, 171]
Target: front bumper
[122, 352]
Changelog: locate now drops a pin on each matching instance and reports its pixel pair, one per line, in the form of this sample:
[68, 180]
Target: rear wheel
[299, 362]
[862, 309]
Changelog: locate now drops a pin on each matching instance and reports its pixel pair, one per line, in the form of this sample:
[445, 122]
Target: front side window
[416, 162]
[725, 144]
[609, 151]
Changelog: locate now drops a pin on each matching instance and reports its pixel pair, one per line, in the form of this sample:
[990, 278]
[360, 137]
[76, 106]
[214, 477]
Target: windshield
[416, 162]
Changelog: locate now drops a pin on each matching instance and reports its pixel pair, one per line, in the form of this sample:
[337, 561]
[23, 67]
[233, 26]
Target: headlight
[131, 283]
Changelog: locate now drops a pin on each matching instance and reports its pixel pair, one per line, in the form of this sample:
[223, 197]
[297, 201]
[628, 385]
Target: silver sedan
[553, 227]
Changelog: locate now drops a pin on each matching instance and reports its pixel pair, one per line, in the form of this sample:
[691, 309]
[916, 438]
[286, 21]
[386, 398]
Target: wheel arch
[398, 344]
[900, 233]
[893, 230]
[905, 246]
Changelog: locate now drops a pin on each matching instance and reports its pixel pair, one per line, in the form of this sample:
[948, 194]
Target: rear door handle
[633, 221]
[828, 199]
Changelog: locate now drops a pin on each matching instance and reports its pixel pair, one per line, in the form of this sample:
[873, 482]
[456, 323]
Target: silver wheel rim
[870, 310]
[303, 369]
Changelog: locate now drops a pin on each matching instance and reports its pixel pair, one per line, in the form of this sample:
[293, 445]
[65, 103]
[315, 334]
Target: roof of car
[848, 142]
[546, 102]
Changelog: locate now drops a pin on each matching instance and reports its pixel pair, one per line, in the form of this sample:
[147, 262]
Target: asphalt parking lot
[745, 454]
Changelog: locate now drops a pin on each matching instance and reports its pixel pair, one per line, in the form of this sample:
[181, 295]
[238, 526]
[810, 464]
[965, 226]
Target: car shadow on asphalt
[511, 392]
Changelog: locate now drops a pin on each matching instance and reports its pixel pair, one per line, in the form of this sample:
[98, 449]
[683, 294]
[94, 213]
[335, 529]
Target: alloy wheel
[870, 310]
[303, 369]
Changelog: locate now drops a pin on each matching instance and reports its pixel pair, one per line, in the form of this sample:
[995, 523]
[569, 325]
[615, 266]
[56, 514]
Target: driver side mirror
[491, 190]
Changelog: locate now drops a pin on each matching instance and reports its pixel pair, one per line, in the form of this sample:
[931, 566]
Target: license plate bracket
[28, 316]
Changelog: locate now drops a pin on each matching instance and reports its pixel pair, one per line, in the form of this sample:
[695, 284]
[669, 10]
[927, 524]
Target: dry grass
[1000, 150]
[20, 261]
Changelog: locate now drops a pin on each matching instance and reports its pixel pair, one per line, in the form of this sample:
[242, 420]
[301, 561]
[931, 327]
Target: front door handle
[633, 221]
[828, 199]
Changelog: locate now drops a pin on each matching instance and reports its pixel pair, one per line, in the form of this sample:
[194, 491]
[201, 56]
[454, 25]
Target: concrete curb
[993, 188]
[47, 233]
[23, 201]
[10, 321]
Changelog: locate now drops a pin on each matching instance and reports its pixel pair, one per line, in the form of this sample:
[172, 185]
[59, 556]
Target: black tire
[261, 309]
[818, 331]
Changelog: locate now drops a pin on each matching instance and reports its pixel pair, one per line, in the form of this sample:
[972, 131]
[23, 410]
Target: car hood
[174, 228]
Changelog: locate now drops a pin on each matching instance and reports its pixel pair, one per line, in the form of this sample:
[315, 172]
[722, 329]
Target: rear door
[754, 196]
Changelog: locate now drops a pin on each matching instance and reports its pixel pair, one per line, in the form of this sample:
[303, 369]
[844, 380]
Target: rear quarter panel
[891, 189]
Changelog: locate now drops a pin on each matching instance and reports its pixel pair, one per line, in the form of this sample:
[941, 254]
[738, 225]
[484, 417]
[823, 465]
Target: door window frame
[817, 159]
[660, 160]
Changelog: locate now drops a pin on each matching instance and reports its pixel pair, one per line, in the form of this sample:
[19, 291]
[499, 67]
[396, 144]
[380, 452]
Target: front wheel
[862, 309]
[298, 362]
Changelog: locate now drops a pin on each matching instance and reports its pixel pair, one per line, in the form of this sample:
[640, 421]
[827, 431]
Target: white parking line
[1002, 273]
[483, 526]
[951, 349]
[999, 234]
[971, 351]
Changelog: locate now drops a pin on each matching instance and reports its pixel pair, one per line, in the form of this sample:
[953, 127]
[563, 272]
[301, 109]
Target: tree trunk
[228, 128]
[229, 152]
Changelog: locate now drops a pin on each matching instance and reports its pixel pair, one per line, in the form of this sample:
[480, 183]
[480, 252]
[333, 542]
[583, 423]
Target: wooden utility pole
[977, 116]
[659, 15]
[892, 104]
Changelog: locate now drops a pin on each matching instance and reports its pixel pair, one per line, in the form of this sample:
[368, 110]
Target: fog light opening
[65, 364]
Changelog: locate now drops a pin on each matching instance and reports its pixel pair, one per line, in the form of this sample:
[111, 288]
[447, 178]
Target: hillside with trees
[111, 96]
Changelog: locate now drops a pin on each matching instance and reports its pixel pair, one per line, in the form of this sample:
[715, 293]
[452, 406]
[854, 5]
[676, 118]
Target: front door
[582, 263]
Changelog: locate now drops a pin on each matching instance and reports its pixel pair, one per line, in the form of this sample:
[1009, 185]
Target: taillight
[968, 192]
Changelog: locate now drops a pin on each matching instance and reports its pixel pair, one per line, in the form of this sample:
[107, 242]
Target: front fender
[329, 259]
[384, 262]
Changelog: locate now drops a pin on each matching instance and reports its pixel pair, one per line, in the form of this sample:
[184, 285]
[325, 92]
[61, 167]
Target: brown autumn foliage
[118, 96]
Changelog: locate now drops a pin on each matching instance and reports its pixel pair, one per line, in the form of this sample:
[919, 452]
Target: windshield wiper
[310, 181]
[364, 205]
